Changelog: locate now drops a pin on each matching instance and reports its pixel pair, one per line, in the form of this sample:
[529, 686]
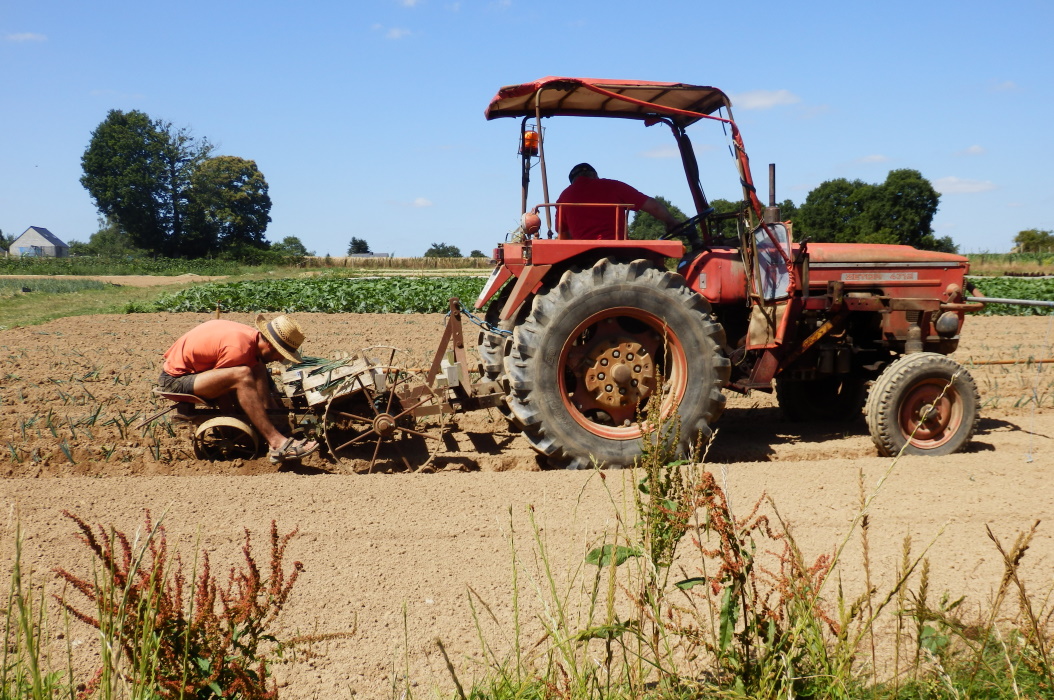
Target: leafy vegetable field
[322, 295]
[1041, 289]
[364, 295]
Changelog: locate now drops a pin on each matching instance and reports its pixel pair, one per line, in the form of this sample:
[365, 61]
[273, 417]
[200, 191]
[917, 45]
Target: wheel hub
[927, 413]
[384, 425]
[619, 374]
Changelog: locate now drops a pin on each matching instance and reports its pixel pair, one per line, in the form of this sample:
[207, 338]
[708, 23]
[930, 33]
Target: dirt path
[389, 557]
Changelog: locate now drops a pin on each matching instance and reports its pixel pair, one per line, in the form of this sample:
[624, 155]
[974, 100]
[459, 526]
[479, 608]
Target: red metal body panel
[530, 261]
[553, 252]
[719, 276]
[877, 252]
[498, 277]
[919, 279]
[526, 285]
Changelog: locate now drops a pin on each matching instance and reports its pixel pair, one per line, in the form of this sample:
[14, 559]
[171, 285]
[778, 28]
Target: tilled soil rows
[388, 556]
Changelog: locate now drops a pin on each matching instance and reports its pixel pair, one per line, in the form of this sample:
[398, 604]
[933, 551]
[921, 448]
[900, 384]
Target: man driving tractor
[579, 218]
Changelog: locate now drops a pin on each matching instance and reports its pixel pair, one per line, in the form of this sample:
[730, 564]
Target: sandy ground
[389, 557]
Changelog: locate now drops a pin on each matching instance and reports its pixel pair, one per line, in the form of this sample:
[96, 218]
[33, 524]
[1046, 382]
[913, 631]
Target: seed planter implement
[367, 409]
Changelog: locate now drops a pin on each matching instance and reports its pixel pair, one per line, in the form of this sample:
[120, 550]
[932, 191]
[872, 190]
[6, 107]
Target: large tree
[900, 210]
[229, 206]
[443, 250]
[646, 227]
[138, 171]
[358, 246]
[1034, 240]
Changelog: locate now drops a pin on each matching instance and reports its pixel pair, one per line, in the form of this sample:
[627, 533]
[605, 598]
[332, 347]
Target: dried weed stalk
[176, 636]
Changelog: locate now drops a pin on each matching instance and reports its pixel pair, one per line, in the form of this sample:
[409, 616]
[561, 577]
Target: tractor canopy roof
[588, 97]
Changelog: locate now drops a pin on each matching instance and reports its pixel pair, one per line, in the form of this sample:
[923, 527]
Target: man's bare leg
[252, 390]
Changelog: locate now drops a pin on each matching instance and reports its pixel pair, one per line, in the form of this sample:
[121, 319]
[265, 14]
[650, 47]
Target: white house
[38, 242]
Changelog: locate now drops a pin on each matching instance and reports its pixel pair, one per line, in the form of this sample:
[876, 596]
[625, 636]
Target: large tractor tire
[839, 399]
[587, 361]
[924, 404]
[493, 347]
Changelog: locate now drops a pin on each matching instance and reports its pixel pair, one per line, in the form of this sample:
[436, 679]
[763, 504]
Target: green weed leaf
[607, 631]
[690, 583]
[601, 556]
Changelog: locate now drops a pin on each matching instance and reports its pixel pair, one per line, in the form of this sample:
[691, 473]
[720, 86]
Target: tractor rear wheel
[598, 348]
[924, 404]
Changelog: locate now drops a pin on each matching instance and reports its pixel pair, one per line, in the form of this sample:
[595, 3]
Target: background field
[389, 557]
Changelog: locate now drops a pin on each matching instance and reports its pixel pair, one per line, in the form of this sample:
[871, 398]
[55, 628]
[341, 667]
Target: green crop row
[330, 294]
[322, 295]
[1034, 289]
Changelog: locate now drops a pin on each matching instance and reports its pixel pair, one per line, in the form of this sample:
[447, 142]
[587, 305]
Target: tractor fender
[498, 277]
[527, 284]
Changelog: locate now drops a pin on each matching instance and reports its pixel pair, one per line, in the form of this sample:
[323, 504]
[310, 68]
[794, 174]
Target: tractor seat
[185, 403]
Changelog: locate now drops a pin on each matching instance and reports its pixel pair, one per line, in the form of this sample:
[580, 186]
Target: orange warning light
[529, 146]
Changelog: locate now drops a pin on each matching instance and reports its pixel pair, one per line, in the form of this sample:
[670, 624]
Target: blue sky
[366, 117]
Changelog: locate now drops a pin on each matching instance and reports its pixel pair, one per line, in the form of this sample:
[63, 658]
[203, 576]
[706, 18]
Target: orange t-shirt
[213, 344]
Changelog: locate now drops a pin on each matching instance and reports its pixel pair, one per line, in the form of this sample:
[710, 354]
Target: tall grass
[687, 598]
[26, 668]
[998, 264]
[163, 632]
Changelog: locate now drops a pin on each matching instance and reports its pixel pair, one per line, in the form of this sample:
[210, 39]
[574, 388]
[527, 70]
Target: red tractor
[583, 335]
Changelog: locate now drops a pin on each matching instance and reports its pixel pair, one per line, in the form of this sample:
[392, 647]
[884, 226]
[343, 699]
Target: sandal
[291, 450]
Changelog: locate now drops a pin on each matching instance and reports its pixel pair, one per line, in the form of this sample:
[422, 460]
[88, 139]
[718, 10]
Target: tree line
[899, 211]
[163, 191]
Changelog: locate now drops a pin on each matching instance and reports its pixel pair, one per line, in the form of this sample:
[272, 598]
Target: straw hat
[284, 334]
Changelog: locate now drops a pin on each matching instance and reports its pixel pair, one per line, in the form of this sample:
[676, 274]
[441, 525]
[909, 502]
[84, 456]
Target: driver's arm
[659, 211]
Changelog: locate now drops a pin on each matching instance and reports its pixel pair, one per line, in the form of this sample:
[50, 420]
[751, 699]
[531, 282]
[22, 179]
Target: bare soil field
[389, 557]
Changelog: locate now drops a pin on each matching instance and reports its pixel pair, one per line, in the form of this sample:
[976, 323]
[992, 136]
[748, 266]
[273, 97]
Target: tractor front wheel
[924, 404]
[599, 348]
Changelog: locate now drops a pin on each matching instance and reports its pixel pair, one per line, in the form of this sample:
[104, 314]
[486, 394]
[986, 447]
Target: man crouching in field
[221, 357]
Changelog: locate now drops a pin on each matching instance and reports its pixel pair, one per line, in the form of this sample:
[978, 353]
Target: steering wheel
[685, 227]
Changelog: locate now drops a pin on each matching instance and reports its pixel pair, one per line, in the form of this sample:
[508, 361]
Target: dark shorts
[177, 385]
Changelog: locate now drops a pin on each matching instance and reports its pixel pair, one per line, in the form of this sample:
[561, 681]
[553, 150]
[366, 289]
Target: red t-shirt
[213, 344]
[595, 223]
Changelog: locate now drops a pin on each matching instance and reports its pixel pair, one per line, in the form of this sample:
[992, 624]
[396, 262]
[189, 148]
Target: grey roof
[48, 235]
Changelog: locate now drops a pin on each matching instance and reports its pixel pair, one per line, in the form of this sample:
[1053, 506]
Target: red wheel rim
[930, 414]
[609, 367]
